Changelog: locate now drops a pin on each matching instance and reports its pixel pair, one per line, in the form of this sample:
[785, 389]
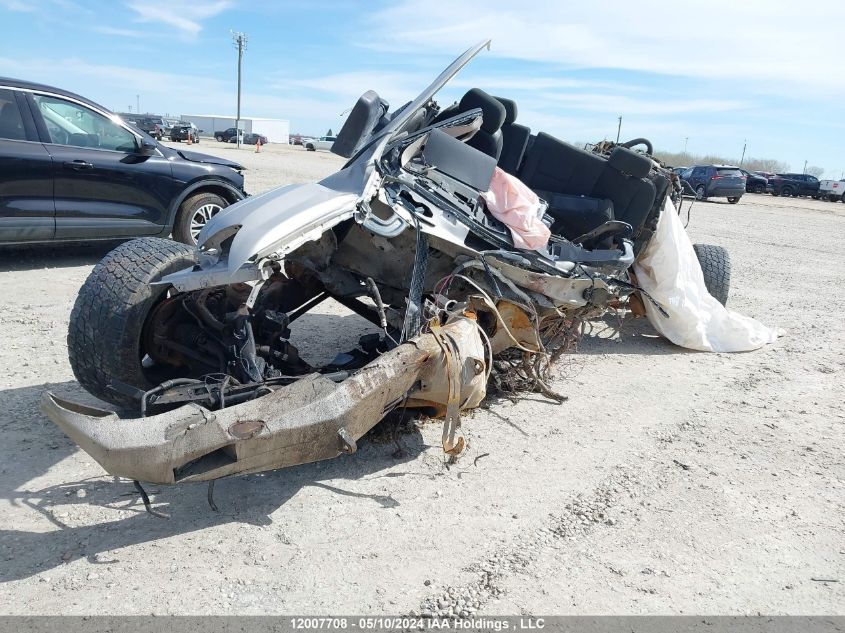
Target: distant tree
[766, 164]
[815, 170]
[329, 133]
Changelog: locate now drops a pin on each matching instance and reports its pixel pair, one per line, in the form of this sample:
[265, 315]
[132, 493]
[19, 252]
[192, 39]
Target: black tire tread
[108, 316]
[716, 265]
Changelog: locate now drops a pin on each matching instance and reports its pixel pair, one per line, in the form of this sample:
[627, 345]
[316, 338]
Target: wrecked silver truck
[195, 342]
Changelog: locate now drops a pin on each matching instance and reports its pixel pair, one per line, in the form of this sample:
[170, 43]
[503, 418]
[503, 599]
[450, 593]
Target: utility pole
[619, 129]
[805, 167]
[239, 40]
[744, 145]
[138, 104]
[686, 140]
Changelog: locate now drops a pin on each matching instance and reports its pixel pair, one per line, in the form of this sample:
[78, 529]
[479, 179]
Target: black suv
[793, 185]
[754, 183]
[715, 181]
[226, 135]
[72, 170]
[180, 132]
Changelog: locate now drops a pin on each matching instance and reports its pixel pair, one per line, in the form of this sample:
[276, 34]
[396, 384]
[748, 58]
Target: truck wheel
[700, 192]
[716, 266]
[219, 138]
[194, 214]
[786, 192]
[104, 339]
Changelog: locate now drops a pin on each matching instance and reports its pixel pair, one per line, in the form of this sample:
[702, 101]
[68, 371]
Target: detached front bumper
[307, 421]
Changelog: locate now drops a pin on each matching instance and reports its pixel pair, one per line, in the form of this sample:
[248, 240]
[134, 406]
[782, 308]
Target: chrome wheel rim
[201, 217]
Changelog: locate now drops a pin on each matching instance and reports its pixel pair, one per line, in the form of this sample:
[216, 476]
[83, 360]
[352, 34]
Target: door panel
[26, 178]
[103, 187]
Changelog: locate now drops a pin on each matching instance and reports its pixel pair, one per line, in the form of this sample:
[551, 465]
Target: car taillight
[715, 177]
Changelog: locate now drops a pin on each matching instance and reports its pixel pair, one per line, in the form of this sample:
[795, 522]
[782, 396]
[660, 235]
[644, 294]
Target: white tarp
[669, 271]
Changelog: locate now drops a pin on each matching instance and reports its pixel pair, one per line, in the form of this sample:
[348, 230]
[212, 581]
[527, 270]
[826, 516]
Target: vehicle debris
[198, 340]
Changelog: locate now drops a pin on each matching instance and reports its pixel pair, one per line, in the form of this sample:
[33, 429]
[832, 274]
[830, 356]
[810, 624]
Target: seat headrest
[629, 162]
[510, 109]
[492, 110]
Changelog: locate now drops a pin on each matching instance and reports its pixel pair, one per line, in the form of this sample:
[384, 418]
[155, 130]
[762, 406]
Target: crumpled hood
[197, 157]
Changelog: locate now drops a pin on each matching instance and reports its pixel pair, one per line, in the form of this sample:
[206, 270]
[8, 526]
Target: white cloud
[21, 6]
[759, 41]
[184, 15]
[615, 103]
[118, 32]
[393, 86]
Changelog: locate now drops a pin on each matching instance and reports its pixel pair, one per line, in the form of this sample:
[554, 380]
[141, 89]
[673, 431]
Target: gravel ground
[670, 482]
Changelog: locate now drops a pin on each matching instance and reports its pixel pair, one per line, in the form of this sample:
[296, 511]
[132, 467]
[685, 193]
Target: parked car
[180, 132]
[833, 190]
[149, 124]
[72, 170]
[754, 183]
[249, 139]
[716, 181]
[793, 185]
[159, 125]
[295, 139]
[167, 125]
[151, 127]
[324, 142]
[225, 135]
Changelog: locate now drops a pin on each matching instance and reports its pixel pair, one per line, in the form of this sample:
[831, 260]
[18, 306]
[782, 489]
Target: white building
[276, 130]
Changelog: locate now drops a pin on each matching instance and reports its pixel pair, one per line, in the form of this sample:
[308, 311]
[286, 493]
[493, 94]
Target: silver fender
[277, 222]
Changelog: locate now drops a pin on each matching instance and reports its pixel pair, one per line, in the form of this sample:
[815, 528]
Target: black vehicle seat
[573, 216]
[11, 125]
[489, 138]
[514, 139]
[554, 167]
[624, 181]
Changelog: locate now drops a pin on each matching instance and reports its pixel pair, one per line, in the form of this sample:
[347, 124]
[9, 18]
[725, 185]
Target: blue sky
[766, 72]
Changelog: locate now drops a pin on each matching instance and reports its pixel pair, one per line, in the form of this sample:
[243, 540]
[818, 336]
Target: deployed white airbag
[669, 271]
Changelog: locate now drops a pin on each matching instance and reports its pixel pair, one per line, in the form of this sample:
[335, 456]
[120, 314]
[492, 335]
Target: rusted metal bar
[310, 420]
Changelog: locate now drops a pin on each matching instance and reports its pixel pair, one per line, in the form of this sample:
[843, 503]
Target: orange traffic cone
[190, 140]
[258, 147]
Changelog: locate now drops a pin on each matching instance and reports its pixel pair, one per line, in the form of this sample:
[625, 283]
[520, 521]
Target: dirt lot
[670, 482]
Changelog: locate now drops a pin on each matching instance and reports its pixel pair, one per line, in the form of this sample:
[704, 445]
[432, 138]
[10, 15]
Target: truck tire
[716, 265]
[786, 192]
[104, 336]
